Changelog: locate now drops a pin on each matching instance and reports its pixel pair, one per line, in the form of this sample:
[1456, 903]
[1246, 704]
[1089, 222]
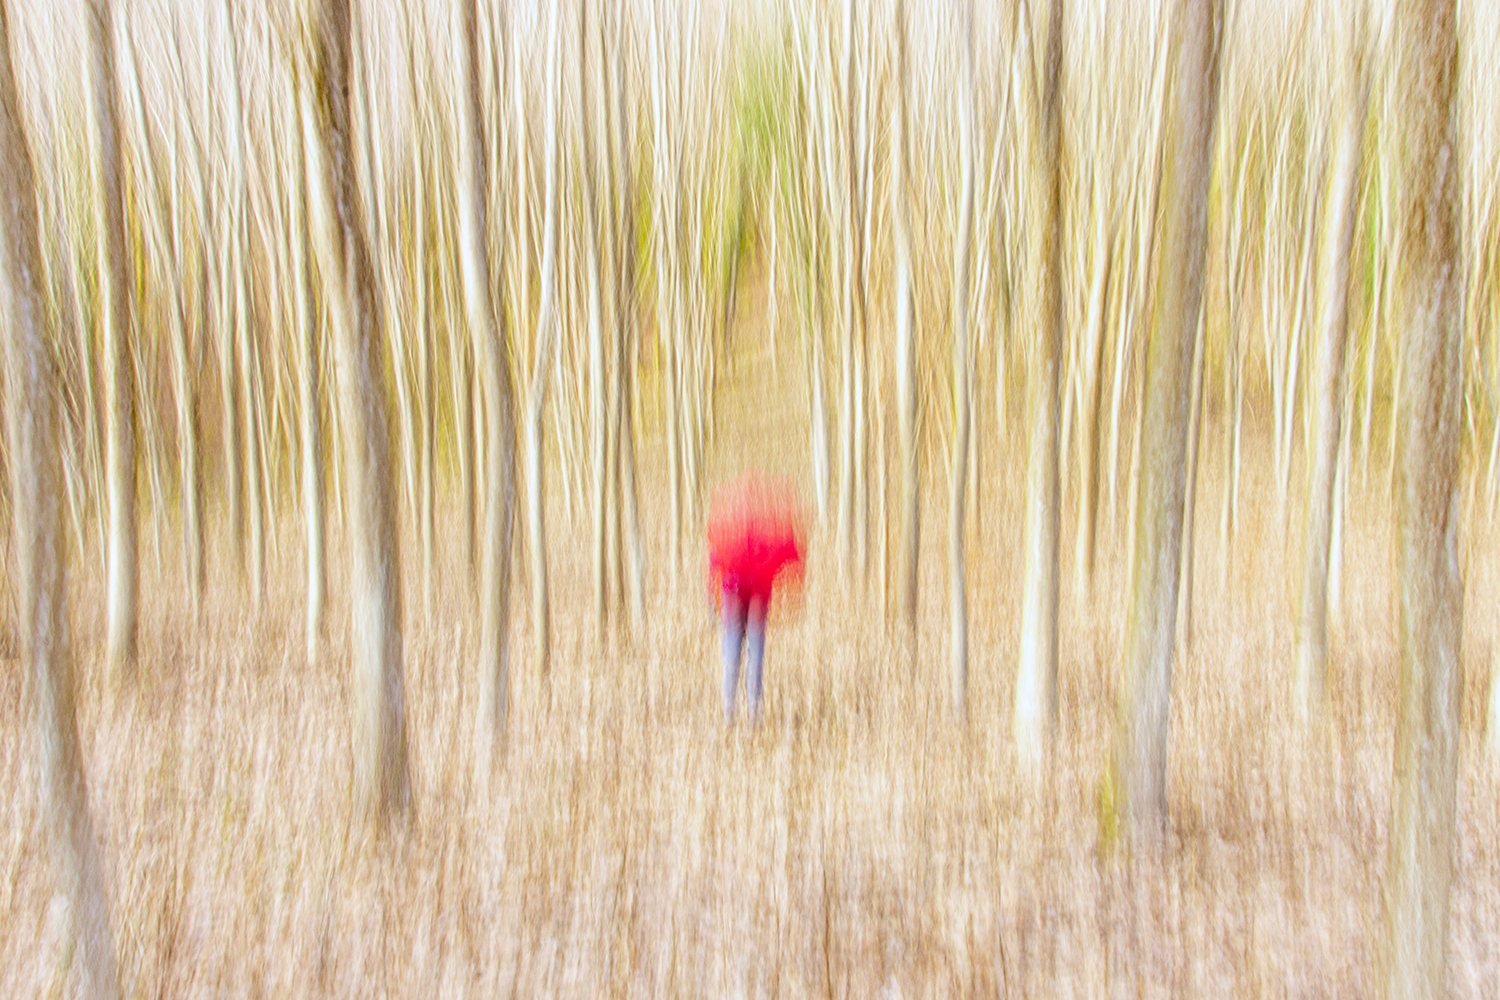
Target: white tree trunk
[41, 545]
[492, 349]
[548, 322]
[1413, 956]
[117, 293]
[906, 352]
[375, 577]
[1139, 769]
[1036, 674]
[1327, 391]
[963, 247]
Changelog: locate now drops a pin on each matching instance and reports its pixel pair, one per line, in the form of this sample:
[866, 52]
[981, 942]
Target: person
[755, 544]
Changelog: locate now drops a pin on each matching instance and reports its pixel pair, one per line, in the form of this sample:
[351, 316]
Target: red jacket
[755, 536]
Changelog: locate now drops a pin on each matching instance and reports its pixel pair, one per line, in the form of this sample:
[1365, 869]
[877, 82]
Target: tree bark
[375, 578]
[117, 293]
[41, 544]
[1413, 956]
[492, 349]
[1327, 395]
[1036, 675]
[1139, 767]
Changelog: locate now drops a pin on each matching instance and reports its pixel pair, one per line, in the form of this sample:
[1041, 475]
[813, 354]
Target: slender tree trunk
[962, 271]
[1413, 955]
[117, 294]
[491, 347]
[1139, 769]
[41, 545]
[239, 330]
[1327, 395]
[906, 352]
[375, 578]
[1036, 675]
[625, 358]
[547, 333]
[307, 387]
[593, 150]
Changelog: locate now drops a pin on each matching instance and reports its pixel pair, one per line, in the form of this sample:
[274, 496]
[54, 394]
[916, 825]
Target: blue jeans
[744, 622]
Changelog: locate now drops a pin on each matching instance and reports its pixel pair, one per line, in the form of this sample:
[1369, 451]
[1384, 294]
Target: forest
[370, 366]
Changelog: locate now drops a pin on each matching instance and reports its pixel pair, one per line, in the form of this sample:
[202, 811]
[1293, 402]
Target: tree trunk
[962, 270]
[117, 293]
[492, 349]
[41, 544]
[1413, 956]
[375, 577]
[625, 357]
[307, 329]
[906, 353]
[1327, 395]
[1139, 768]
[1036, 674]
[548, 322]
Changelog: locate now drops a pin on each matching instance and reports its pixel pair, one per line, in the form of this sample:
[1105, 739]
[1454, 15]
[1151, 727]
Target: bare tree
[906, 351]
[1413, 956]
[119, 373]
[1036, 674]
[548, 322]
[492, 349]
[1139, 768]
[963, 252]
[1327, 390]
[37, 502]
[349, 279]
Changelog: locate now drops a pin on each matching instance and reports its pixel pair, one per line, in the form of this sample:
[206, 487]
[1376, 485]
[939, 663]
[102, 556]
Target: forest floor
[861, 843]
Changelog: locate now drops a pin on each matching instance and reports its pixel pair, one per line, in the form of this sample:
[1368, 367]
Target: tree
[354, 314]
[1036, 674]
[548, 322]
[492, 349]
[1138, 777]
[963, 251]
[1429, 432]
[37, 501]
[906, 351]
[117, 291]
[1327, 391]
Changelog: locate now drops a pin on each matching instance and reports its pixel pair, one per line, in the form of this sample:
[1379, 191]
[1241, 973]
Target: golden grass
[861, 844]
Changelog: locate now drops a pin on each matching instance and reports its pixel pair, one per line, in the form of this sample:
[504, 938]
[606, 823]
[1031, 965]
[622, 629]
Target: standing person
[755, 542]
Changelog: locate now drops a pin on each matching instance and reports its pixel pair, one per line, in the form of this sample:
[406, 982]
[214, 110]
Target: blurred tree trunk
[1327, 390]
[1413, 956]
[906, 352]
[491, 347]
[117, 293]
[313, 511]
[1139, 767]
[594, 147]
[41, 545]
[963, 251]
[375, 578]
[166, 221]
[1036, 675]
[633, 571]
[548, 321]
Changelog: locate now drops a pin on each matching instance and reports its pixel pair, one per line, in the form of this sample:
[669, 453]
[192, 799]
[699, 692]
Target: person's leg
[733, 613]
[755, 652]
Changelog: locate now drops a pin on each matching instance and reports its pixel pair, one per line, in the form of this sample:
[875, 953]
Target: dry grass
[860, 844]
